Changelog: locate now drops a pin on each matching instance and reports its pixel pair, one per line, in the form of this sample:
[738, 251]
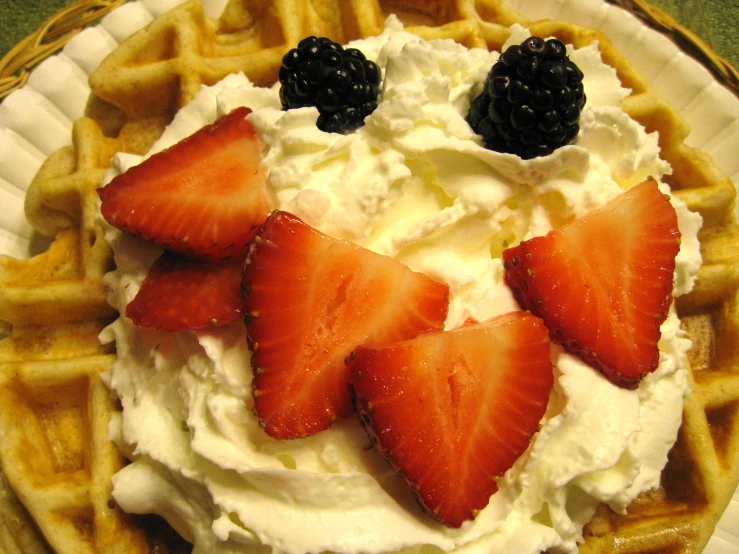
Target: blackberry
[340, 82]
[532, 100]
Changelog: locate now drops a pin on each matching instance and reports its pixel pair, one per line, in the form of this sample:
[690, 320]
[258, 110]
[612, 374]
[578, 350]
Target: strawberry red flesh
[310, 300]
[205, 196]
[452, 411]
[603, 283]
[184, 293]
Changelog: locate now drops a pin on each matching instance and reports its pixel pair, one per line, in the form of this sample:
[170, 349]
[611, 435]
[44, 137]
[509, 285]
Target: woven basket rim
[55, 32]
[685, 39]
[50, 37]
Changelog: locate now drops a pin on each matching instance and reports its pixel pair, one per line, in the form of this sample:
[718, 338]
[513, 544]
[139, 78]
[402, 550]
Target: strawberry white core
[416, 184]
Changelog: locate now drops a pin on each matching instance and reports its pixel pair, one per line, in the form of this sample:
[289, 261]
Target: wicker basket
[47, 39]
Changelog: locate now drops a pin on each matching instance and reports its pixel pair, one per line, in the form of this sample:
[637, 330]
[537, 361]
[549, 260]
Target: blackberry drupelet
[532, 100]
[341, 83]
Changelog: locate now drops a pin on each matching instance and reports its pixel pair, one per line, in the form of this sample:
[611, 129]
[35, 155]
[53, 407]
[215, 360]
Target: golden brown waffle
[54, 408]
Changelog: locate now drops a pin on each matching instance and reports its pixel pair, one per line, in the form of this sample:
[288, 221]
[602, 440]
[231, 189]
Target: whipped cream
[414, 183]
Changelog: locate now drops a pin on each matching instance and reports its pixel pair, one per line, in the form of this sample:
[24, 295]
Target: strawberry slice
[206, 195]
[310, 300]
[452, 411]
[603, 283]
[182, 293]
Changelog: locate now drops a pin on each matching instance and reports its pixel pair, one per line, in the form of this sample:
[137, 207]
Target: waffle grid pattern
[54, 407]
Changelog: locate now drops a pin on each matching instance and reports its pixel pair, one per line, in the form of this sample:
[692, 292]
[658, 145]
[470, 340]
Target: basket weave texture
[686, 39]
[50, 37]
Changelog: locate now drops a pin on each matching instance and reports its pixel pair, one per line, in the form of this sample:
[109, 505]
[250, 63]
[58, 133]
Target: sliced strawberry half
[182, 293]
[603, 283]
[206, 195]
[311, 299]
[452, 411]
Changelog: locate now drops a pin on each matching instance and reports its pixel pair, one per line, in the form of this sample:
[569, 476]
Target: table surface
[716, 21]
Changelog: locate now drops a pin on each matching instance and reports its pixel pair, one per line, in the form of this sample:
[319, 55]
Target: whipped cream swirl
[414, 183]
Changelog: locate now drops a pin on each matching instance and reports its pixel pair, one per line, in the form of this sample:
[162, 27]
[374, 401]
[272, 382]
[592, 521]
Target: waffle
[54, 408]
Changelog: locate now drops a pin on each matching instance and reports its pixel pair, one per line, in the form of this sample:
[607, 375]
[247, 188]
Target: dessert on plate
[201, 458]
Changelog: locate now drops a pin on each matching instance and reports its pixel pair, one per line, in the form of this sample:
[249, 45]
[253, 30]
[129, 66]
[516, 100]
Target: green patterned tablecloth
[716, 21]
[19, 18]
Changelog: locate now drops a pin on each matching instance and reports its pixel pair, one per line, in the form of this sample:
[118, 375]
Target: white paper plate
[37, 119]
